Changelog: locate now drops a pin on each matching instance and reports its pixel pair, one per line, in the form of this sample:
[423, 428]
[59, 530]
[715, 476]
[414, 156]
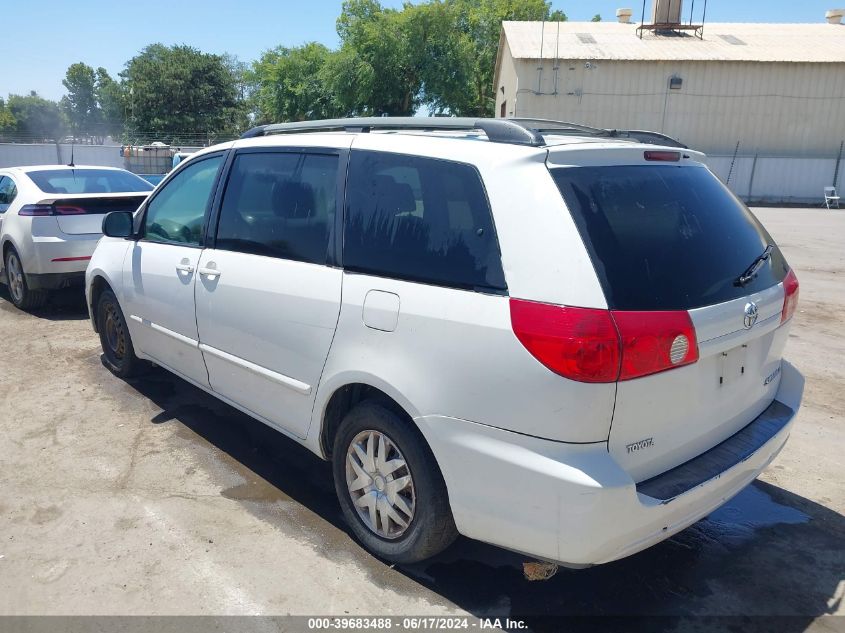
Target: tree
[290, 84]
[596, 18]
[36, 117]
[111, 99]
[80, 103]
[178, 94]
[378, 71]
[481, 21]
[7, 119]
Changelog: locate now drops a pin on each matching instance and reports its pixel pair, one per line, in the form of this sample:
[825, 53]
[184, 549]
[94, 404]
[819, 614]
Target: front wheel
[389, 486]
[22, 295]
[118, 353]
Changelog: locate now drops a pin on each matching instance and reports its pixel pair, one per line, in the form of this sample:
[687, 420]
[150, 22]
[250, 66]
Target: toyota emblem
[751, 314]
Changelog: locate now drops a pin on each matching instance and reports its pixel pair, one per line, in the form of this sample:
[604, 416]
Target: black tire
[24, 297]
[431, 528]
[118, 352]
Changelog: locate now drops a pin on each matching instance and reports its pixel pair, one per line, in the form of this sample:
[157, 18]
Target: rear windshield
[88, 181]
[666, 237]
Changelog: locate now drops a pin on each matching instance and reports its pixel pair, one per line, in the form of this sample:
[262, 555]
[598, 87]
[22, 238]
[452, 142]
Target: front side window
[88, 181]
[280, 204]
[8, 193]
[420, 219]
[177, 212]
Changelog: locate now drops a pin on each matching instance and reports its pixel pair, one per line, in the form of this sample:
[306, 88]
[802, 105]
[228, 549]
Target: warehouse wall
[776, 109]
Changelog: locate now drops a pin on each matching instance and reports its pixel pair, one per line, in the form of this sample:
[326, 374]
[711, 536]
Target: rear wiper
[755, 266]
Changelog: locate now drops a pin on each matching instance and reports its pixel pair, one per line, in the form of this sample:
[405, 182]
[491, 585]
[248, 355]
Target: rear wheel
[118, 353]
[389, 486]
[22, 295]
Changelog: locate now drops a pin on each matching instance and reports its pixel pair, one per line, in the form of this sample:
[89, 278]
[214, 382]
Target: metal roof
[823, 43]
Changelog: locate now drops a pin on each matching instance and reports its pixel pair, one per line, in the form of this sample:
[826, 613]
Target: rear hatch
[83, 213]
[670, 245]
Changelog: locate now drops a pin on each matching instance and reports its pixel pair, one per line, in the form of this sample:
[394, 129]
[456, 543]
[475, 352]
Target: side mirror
[118, 224]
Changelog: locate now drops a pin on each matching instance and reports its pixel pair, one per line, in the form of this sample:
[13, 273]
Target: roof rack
[497, 130]
[545, 126]
[514, 131]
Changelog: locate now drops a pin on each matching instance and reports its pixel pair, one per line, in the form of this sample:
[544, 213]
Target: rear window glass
[88, 181]
[420, 219]
[666, 237]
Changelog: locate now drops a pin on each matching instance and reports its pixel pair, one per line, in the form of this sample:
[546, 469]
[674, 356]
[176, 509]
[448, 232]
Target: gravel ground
[151, 497]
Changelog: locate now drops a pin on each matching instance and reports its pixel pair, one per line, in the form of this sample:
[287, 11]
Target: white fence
[17, 154]
[771, 179]
[764, 179]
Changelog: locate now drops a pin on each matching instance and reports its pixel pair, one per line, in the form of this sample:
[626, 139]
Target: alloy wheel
[14, 274]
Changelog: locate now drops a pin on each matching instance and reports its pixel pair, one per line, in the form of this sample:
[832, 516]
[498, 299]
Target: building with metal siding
[778, 90]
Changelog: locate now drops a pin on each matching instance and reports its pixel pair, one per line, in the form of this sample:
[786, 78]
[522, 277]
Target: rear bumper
[573, 503]
[55, 281]
[56, 255]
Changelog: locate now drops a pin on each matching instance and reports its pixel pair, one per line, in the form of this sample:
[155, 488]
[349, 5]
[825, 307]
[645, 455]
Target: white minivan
[559, 340]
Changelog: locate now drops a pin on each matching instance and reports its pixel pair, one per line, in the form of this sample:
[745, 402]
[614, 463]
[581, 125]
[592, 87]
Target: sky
[49, 35]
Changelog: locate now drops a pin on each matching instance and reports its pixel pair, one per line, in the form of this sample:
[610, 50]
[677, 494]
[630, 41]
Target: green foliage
[36, 117]
[173, 92]
[7, 119]
[80, 104]
[290, 84]
[481, 22]
[596, 18]
[111, 99]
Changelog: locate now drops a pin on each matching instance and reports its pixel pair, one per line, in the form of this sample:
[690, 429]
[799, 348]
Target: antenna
[70, 164]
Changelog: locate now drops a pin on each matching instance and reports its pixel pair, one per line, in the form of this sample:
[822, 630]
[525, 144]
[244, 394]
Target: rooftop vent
[624, 15]
[834, 16]
[732, 39]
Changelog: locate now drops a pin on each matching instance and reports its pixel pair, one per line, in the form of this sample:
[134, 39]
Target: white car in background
[50, 220]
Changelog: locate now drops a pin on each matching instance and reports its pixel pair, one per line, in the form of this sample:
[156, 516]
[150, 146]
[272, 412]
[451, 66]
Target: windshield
[88, 181]
[667, 237]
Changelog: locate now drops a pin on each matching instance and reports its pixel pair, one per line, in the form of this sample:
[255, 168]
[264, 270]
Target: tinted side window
[420, 219]
[280, 205]
[177, 212]
[8, 193]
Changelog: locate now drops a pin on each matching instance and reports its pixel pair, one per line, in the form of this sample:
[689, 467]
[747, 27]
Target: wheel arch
[344, 394]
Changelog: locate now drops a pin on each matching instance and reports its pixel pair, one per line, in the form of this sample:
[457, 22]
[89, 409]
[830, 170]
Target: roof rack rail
[497, 130]
[516, 131]
[545, 126]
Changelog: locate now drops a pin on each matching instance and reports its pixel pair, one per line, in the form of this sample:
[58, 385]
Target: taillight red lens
[655, 341]
[577, 343]
[31, 210]
[590, 345]
[790, 296]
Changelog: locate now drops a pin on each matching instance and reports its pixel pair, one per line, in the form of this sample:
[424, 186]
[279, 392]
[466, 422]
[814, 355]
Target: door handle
[185, 268]
[208, 272]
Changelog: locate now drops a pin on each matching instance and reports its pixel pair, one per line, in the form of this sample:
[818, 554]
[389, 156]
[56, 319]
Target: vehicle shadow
[62, 305]
[769, 560]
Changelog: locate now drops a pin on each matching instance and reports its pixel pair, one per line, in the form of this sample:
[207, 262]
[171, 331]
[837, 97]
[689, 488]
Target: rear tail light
[790, 296]
[32, 210]
[590, 345]
[577, 343]
[655, 341]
